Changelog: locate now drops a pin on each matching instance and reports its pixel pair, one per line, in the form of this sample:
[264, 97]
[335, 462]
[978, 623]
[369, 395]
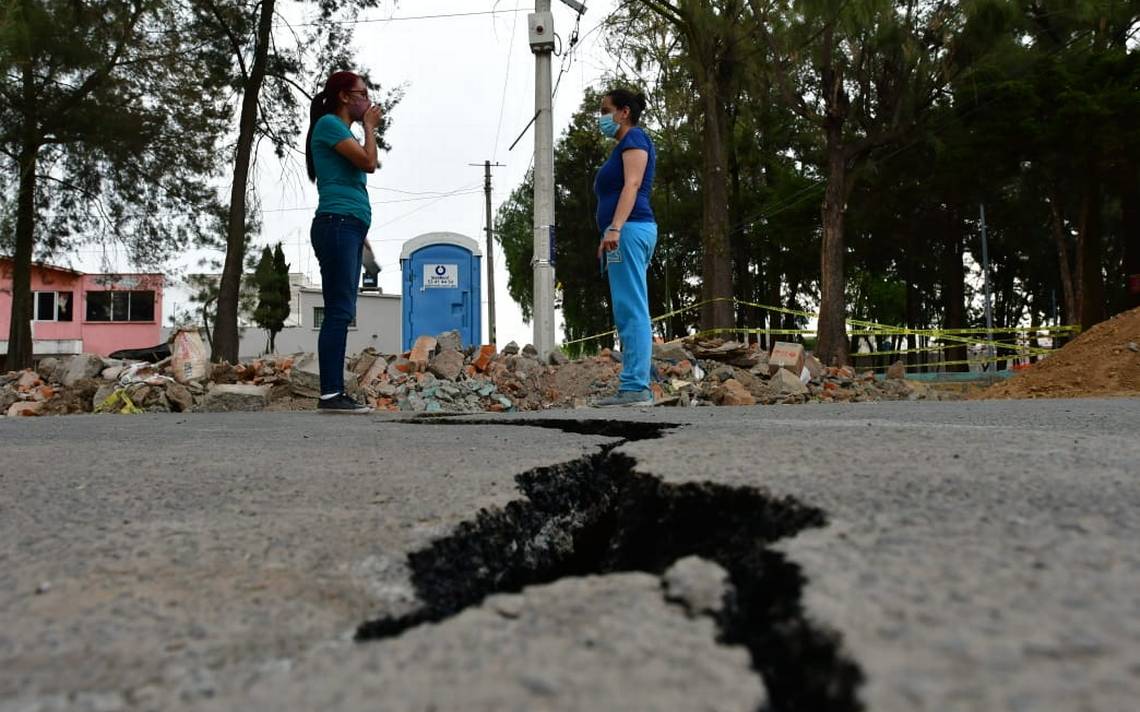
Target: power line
[431, 193]
[568, 55]
[506, 79]
[409, 18]
[422, 207]
[437, 197]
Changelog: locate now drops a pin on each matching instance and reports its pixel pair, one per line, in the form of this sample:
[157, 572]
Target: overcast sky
[469, 92]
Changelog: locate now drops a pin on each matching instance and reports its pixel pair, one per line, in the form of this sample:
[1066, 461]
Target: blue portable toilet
[442, 287]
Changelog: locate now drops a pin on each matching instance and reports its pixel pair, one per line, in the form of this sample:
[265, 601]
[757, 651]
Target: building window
[319, 318]
[120, 306]
[52, 306]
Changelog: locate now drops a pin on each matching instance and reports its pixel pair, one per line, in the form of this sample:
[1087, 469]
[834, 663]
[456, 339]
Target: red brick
[422, 352]
[486, 355]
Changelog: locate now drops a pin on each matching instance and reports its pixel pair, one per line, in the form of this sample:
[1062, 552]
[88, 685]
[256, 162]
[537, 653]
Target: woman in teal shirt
[338, 164]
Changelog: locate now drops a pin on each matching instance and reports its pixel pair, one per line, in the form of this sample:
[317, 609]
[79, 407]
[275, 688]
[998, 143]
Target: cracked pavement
[976, 556]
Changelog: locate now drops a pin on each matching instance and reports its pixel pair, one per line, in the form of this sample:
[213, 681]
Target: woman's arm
[633, 163]
[363, 157]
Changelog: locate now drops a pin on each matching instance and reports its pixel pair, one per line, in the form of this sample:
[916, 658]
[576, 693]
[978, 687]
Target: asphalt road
[883, 556]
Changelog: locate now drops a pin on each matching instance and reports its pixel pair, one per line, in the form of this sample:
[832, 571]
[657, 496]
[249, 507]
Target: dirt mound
[1103, 361]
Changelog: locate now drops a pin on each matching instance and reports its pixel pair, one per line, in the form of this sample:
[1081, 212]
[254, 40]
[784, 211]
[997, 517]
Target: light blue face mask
[607, 125]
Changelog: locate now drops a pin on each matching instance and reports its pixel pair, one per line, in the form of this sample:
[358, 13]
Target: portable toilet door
[442, 287]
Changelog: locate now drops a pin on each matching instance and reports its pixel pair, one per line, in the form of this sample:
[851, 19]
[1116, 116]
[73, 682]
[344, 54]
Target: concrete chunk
[673, 351]
[788, 356]
[447, 365]
[236, 397]
[785, 382]
[450, 341]
[81, 367]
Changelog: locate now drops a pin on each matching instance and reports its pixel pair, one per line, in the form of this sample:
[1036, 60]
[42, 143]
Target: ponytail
[326, 101]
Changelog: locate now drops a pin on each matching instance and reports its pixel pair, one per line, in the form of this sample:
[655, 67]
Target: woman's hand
[609, 241]
[372, 117]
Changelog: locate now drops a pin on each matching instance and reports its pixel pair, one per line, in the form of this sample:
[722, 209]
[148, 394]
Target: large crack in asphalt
[596, 515]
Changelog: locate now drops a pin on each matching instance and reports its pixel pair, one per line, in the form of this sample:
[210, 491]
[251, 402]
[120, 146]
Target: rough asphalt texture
[977, 556]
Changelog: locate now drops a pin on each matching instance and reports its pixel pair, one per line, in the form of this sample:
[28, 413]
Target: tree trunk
[717, 266]
[1089, 251]
[1058, 223]
[741, 255]
[954, 286]
[20, 329]
[1130, 223]
[225, 342]
[832, 348]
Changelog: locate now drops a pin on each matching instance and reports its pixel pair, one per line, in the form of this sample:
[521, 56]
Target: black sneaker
[342, 403]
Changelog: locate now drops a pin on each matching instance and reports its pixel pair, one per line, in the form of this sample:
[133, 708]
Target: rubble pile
[720, 372]
[1103, 361]
[440, 375]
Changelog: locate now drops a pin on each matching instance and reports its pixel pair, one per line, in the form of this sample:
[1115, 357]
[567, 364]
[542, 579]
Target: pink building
[75, 312]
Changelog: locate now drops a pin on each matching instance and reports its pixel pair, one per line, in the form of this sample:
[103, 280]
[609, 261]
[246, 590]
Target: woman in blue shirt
[337, 163]
[629, 236]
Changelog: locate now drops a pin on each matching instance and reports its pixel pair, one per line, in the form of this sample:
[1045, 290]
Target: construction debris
[1103, 361]
[438, 375]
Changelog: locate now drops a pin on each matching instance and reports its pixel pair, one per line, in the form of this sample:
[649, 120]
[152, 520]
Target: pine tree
[95, 140]
[273, 294]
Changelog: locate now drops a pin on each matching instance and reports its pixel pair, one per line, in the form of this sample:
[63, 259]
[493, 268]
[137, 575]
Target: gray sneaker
[627, 399]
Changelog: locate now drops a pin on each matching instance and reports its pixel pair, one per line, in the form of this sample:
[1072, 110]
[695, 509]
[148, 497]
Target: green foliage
[89, 89]
[273, 293]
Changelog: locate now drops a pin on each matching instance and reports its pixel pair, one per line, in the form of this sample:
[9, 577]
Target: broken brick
[422, 352]
[25, 408]
[376, 369]
[733, 392]
[485, 357]
[401, 366]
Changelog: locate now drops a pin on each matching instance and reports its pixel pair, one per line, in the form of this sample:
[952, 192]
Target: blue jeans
[629, 293]
[338, 241]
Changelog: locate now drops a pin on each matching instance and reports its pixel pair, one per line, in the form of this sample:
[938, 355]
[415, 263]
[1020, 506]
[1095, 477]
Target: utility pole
[541, 26]
[487, 166]
[986, 282]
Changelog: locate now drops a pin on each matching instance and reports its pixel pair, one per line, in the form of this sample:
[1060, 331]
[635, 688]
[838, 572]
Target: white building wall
[378, 323]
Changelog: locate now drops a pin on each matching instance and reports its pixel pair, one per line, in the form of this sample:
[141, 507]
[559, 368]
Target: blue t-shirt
[342, 187]
[611, 179]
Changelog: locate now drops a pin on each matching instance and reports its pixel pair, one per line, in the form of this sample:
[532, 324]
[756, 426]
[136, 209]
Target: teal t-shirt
[342, 187]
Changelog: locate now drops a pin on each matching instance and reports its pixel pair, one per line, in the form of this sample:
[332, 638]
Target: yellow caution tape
[956, 337]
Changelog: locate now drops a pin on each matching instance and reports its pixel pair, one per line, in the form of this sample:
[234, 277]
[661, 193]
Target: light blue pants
[629, 293]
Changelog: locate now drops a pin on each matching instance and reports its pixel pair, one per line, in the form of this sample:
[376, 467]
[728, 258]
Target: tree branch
[234, 43]
[97, 77]
[668, 11]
